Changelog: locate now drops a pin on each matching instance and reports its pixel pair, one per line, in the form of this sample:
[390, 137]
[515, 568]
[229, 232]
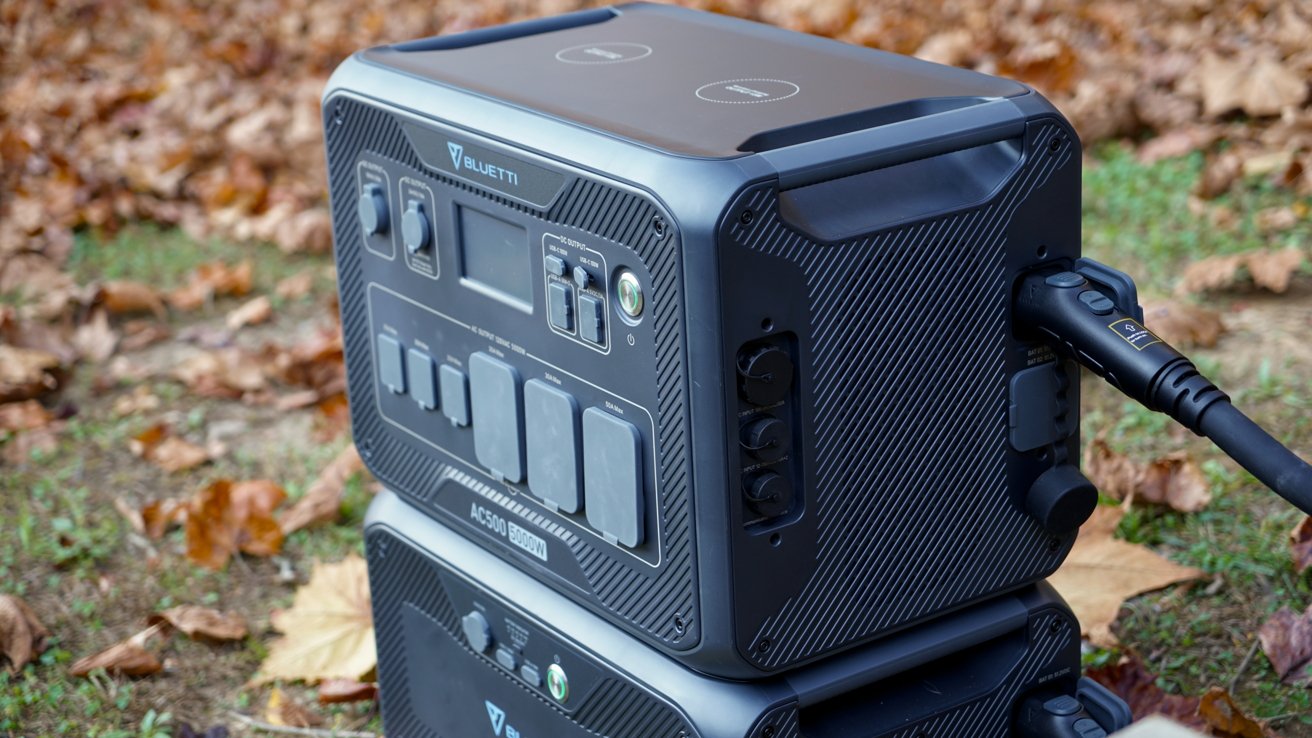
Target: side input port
[765, 374]
[768, 494]
[766, 438]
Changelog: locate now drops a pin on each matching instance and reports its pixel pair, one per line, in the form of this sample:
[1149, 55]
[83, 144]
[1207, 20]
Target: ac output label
[519, 537]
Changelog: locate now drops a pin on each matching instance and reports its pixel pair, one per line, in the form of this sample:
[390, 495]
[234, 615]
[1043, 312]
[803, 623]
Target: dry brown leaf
[253, 312]
[158, 516]
[295, 287]
[1132, 682]
[131, 514]
[1259, 88]
[283, 710]
[329, 629]
[1225, 718]
[1300, 540]
[323, 499]
[1287, 641]
[228, 517]
[140, 400]
[203, 623]
[94, 340]
[1273, 270]
[138, 334]
[1270, 270]
[333, 691]
[1174, 480]
[128, 658]
[22, 636]
[227, 373]
[1102, 572]
[210, 280]
[26, 373]
[25, 415]
[168, 452]
[123, 297]
[1183, 324]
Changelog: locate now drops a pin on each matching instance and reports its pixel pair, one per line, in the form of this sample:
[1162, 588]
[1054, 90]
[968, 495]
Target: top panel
[691, 83]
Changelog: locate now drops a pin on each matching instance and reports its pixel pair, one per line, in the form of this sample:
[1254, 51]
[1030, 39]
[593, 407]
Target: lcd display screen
[495, 257]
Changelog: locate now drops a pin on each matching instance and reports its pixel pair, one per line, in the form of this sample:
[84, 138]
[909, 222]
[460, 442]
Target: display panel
[494, 255]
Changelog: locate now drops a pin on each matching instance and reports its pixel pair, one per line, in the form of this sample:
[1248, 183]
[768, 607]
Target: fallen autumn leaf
[1102, 572]
[328, 630]
[22, 636]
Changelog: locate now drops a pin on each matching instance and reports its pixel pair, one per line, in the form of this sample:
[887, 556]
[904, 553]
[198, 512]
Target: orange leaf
[323, 499]
[225, 518]
[332, 691]
[203, 623]
[128, 658]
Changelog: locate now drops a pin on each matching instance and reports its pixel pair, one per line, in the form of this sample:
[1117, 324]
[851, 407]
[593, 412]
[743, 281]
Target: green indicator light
[630, 294]
[557, 683]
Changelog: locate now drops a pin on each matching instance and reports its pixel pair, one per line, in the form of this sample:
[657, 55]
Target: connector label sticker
[1134, 333]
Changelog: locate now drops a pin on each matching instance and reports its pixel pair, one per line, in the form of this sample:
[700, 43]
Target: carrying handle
[830, 158]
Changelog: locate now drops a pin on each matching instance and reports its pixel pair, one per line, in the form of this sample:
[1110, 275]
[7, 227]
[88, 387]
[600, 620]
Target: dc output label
[1134, 333]
[522, 539]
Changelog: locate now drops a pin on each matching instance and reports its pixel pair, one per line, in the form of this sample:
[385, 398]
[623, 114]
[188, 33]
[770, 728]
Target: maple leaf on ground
[168, 452]
[1102, 572]
[1174, 480]
[210, 280]
[26, 373]
[127, 658]
[1271, 270]
[203, 623]
[328, 630]
[1182, 324]
[227, 517]
[323, 499]
[22, 636]
[1300, 540]
[1287, 641]
[1258, 87]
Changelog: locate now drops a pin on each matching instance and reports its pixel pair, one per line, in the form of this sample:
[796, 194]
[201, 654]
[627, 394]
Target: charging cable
[1091, 313]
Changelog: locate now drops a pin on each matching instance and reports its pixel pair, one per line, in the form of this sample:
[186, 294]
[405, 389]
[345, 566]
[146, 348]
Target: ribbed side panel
[638, 597]
[907, 338]
[780, 722]
[401, 576]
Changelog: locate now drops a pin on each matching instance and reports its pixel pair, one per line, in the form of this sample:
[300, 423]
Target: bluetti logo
[462, 161]
[498, 718]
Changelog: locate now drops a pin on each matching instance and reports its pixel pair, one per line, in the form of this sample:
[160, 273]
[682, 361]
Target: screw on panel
[658, 225]
[1055, 626]
[339, 114]
[763, 645]
[768, 732]
[746, 216]
[366, 447]
[1055, 144]
[680, 627]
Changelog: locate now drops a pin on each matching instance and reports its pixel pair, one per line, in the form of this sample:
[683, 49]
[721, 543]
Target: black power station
[759, 347]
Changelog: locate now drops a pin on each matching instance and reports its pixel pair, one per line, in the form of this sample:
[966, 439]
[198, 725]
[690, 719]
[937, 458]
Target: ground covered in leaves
[180, 506]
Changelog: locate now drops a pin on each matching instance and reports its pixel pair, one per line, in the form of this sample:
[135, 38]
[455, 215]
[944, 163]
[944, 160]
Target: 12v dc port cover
[1061, 499]
[765, 374]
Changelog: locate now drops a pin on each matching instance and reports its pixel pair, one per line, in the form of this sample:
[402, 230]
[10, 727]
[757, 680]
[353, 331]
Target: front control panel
[523, 353]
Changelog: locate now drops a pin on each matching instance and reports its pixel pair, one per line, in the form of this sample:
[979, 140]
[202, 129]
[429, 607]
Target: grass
[1138, 218]
[68, 553]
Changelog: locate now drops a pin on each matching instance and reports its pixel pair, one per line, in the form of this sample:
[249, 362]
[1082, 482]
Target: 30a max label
[1134, 333]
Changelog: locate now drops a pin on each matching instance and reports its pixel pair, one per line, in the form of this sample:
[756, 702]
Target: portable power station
[709, 325]
[472, 646]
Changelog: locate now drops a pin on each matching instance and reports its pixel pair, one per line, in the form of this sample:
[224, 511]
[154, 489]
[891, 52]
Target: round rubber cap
[1061, 499]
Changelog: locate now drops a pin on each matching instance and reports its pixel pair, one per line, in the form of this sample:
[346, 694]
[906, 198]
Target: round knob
[415, 230]
[769, 494]
[768, 439]
[373, 210]
[1061, 499]
[477, 631]
[765, 374]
